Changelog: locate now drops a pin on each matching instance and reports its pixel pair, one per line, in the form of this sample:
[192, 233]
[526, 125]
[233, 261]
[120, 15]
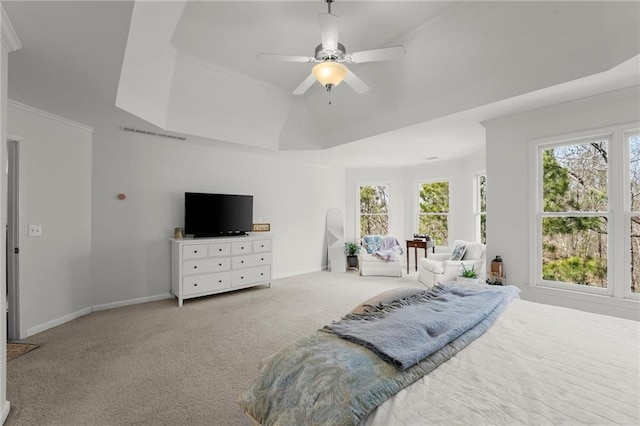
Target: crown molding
[9, 37]
[50, 116]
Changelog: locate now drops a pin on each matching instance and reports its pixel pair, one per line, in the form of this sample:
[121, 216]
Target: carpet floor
[157, 364]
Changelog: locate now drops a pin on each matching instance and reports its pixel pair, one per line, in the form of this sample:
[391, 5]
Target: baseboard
[6, 407]
[66, 318]
[131, 302]
[293, 274]
[56, 322]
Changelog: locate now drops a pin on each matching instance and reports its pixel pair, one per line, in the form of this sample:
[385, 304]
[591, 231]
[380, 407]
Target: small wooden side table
[416, 244]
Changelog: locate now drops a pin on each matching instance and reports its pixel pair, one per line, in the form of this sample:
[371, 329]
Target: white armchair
[371, 263]
[443, 267]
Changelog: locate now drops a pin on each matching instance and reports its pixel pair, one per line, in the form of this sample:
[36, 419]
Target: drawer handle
[242, 278]
[262, 245]
[219, 249]
[219, 281]
[195, 251]
[195, 266]
[261, 274]
[242, 261]
[262, 258]
[195, 284]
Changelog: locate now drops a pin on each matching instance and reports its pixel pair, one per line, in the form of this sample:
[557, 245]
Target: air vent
[150, 133]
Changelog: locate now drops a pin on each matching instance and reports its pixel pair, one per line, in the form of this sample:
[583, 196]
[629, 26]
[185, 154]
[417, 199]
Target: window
[587, 213]
[633, 141]
[481, 208]
[433, 211]
[575, 213]
[374, 209]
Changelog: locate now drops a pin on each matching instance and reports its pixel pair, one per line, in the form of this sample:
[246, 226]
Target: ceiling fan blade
[356, 84]
[329, 30]
[305, 85]
[285, 58]
[383, 54]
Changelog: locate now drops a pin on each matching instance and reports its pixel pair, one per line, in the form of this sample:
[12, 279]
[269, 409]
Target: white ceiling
[465, 62]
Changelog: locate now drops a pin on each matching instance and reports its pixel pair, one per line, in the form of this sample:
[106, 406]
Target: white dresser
[214, 265]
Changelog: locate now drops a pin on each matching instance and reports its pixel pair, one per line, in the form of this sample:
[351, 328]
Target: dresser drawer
[251, 260]
[218, 250]
[201, 266]
[243, 247]
[205, 283]
[194, 251]
[250, 276]
[261, 246]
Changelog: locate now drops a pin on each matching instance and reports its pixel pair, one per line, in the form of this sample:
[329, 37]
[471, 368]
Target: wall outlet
[35, 230]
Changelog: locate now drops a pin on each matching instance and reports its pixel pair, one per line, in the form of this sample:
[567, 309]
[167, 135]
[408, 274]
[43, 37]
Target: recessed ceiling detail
[191, 68]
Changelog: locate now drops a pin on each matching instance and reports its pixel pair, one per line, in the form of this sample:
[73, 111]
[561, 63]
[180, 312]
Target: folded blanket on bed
[410, 329]
[323, 379]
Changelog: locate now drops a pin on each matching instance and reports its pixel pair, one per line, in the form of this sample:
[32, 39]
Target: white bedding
[537, 365]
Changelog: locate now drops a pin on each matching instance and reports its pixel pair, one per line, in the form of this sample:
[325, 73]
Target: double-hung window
[481, 208]
[632, 212]
[374, 209]
[433, 211]
[586, 235]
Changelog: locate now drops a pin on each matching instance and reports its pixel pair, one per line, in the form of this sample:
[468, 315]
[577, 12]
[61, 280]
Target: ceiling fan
[330, 57]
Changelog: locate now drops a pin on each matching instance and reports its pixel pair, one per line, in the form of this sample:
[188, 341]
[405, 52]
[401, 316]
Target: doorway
[12, 242]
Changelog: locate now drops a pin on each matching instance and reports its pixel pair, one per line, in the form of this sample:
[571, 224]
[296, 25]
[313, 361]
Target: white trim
[22, 220]
[6, 407]
[58, 321]
[131, 302]
[617, 214]
[416, 198]
[10, 39]
[50, 116]
[357, 202]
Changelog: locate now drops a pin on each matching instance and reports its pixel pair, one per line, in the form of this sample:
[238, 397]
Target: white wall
[508, 185]
[403, 195]
[131, 251]
[55, 180]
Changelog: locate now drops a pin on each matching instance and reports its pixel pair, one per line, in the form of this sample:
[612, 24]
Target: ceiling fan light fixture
[330, 73]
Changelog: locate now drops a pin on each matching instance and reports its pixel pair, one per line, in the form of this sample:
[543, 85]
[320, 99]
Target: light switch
[35, 230]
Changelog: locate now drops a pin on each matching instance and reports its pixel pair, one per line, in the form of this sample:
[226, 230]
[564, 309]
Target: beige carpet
[14, 350]
[157, 364]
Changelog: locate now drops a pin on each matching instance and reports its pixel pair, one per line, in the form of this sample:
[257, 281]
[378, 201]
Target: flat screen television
[217, 215]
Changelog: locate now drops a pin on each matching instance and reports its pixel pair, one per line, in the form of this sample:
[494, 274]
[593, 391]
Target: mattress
[537, 365]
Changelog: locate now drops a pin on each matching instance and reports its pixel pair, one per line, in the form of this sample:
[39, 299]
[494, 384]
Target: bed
[534, 364]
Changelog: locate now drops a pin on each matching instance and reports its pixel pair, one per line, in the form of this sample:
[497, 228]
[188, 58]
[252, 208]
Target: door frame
[15, 238]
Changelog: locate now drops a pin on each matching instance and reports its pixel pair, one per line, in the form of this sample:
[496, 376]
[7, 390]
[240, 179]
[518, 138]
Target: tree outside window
[374, 209]
[433, 211]
[634, 186]
[481, 207]
[574, 217]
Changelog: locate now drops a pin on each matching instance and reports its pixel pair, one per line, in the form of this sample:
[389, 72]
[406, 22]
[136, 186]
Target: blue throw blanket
[325, 380]
[410, 329]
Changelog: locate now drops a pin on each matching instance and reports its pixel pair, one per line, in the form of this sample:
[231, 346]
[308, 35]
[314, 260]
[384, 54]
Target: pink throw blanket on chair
[388, 248]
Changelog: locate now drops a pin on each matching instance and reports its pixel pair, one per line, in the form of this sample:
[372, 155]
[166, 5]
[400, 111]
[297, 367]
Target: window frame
[416, 198]
[618, 210]
[477, 206]
[627, 135]
[359, 185]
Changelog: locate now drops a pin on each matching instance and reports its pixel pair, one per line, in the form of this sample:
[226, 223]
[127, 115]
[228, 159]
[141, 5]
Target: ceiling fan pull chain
[329, 90]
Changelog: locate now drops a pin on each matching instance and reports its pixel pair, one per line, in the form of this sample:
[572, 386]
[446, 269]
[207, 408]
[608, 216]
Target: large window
[575, 213]
[633, 141]
[481, 208]
[374, 209]
[587, 217]
[433, 211]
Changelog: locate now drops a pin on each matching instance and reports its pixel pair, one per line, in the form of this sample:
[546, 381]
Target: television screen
[217, 215]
